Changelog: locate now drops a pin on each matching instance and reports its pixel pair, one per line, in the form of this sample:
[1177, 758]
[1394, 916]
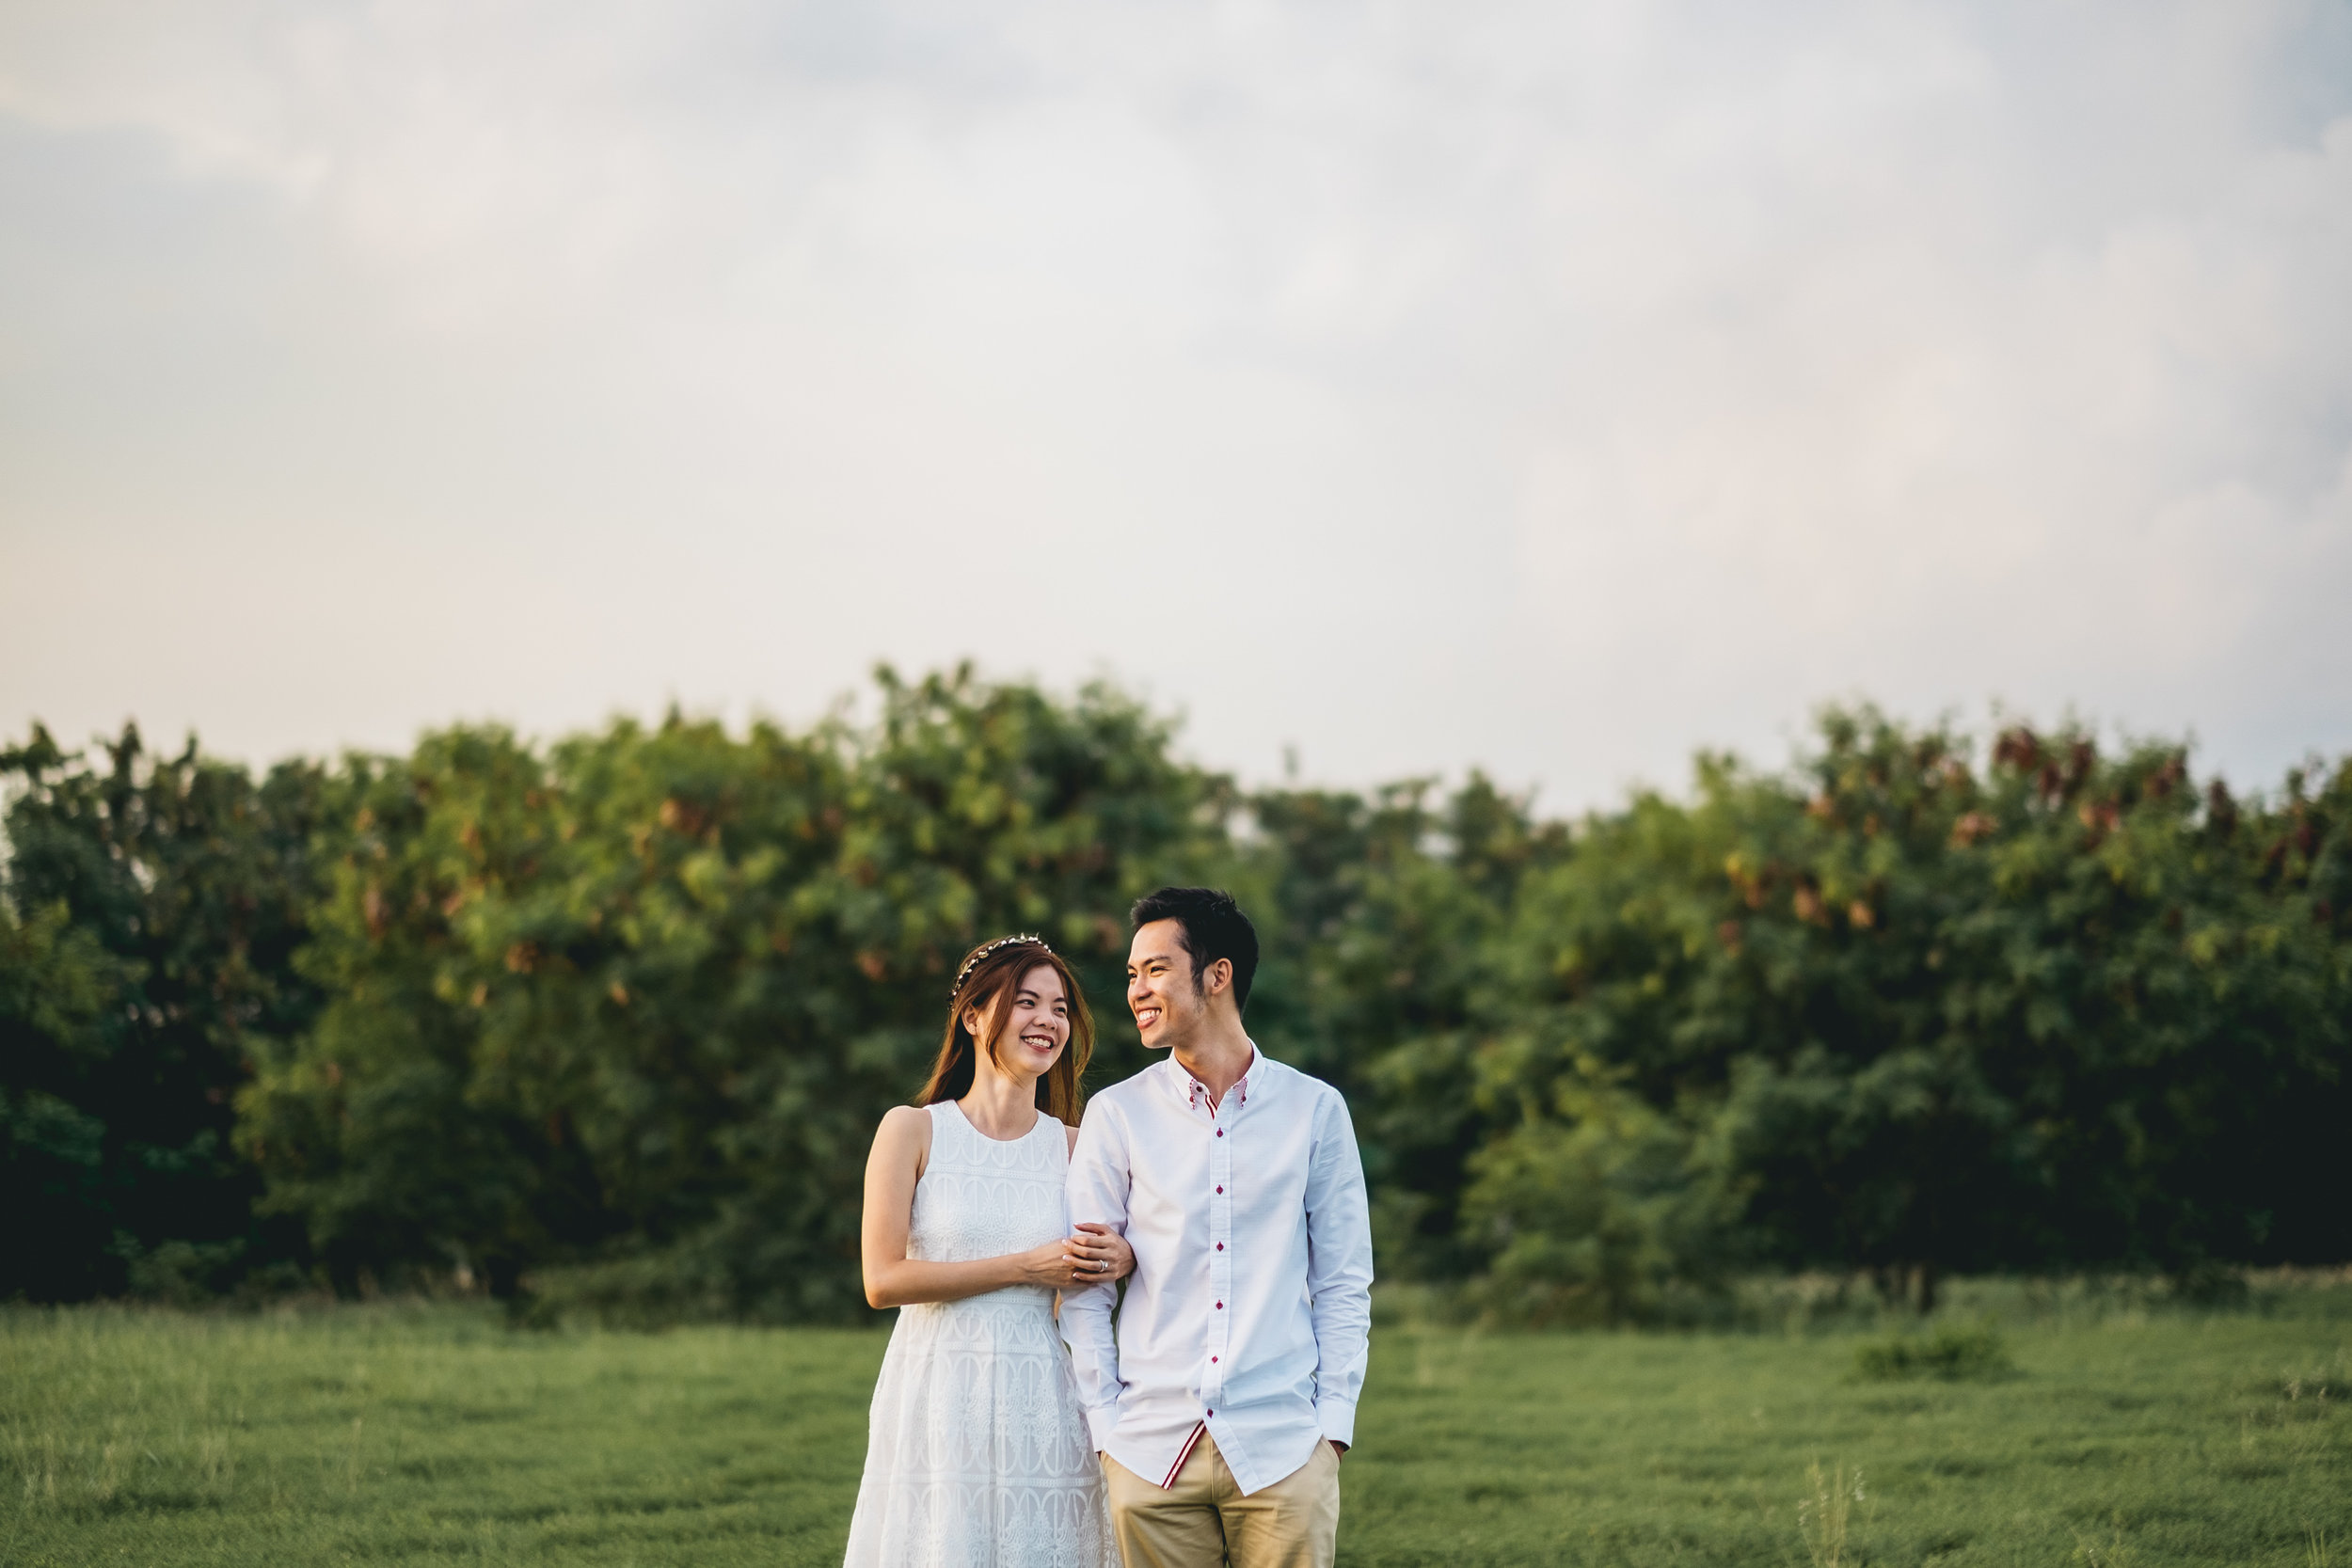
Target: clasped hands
[1092, 1255]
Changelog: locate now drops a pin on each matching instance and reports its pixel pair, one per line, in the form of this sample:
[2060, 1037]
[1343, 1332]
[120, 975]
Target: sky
[1554, 388]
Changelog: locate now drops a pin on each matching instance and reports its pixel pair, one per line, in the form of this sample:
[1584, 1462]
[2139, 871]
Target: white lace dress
[977, 1455]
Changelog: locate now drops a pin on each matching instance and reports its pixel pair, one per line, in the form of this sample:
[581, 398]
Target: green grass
[411, 1435]
[1952, 1353]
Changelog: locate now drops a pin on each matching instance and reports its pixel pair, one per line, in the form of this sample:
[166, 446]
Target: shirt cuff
[1102, 1420]
[1337, 1417]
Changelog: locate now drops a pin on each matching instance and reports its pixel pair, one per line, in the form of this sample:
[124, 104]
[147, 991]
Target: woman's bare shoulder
[910, 1125]
[1074, 1137]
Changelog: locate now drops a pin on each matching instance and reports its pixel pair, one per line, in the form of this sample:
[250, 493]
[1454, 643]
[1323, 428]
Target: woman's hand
[1100, 1254]
[1050, 1264]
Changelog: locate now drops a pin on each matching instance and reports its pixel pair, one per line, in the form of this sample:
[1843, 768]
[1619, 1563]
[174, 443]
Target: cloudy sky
[1555, 387]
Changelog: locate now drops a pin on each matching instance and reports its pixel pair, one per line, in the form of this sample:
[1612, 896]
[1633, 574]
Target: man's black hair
[1214, 927]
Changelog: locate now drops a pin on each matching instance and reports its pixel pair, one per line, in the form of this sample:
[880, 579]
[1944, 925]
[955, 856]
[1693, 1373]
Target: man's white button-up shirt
[1250, 1312]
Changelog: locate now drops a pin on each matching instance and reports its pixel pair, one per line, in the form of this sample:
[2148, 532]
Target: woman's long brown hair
[996, 970]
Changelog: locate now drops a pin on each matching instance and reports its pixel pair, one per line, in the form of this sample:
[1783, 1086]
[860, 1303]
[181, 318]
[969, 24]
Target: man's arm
[1098, 1193]
[1339, 1270]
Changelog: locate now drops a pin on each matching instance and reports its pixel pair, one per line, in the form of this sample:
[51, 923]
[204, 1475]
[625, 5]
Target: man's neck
[1216, 1057]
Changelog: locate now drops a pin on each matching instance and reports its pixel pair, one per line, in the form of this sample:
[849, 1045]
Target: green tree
[55, 983]
[1381, 913]
[610, 1021]
[625, 1016]
[157, 904]
[1913, 1018]
[376, 1128]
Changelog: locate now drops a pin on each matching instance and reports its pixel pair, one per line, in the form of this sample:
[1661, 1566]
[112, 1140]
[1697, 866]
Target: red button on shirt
[1220, 1132]
[1220, 1189]
[1221, 1306]
[1220, 1246]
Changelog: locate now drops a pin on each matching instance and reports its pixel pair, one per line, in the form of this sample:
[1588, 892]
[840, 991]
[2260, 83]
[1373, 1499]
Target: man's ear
[1220, 977]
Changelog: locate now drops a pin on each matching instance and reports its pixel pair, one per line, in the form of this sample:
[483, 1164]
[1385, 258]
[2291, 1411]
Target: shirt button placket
[1220, 1261]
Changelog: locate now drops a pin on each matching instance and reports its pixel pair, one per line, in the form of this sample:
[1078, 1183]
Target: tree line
[605, 1024]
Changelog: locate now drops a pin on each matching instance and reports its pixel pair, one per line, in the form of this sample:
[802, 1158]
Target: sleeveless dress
[977, 1455]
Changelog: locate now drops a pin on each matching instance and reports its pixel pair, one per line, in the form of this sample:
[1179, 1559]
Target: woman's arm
[892, 1278]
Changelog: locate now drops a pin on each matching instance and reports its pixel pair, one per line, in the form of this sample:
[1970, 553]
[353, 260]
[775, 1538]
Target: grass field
[2119, 1438]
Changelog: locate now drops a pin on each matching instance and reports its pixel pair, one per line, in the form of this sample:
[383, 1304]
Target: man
[1225, 1401]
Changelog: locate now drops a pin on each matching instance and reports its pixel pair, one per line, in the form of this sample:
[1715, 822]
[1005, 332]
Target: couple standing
[1207, 1427]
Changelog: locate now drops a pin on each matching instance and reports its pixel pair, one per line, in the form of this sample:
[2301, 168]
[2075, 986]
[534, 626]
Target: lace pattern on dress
[977, 1454]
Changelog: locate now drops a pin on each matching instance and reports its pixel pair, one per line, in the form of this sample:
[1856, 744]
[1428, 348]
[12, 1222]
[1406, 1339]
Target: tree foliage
[626, 1012]
[152, 907]
[1916, 1015]
[608, 1022]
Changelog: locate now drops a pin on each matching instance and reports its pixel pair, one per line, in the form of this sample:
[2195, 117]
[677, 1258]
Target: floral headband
[969, 964]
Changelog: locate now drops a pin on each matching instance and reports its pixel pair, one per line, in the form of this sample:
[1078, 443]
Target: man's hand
[1101, 1253]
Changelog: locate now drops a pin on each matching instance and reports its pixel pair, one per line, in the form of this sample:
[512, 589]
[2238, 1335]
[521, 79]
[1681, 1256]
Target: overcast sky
[1550, 387]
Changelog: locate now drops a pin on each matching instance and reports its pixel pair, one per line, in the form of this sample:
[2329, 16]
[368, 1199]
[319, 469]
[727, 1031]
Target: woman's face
[1036, 1023]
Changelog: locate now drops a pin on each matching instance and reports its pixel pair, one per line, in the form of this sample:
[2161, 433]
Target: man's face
[1160, 989]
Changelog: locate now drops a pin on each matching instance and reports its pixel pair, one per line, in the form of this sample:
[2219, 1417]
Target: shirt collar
[1197, 1093]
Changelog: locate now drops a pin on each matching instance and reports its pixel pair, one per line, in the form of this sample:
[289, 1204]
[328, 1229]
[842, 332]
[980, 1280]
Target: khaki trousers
[1203, 1521]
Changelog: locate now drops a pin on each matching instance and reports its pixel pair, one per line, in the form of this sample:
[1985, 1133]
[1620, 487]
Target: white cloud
[1556, 388]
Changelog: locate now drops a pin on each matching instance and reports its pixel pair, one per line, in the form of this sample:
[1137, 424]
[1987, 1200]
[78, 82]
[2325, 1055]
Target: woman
[977, 1455]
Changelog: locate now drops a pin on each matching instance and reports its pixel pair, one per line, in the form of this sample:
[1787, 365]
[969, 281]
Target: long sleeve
[1250, 1312]
[1098, 1193]
[1339, 1270]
